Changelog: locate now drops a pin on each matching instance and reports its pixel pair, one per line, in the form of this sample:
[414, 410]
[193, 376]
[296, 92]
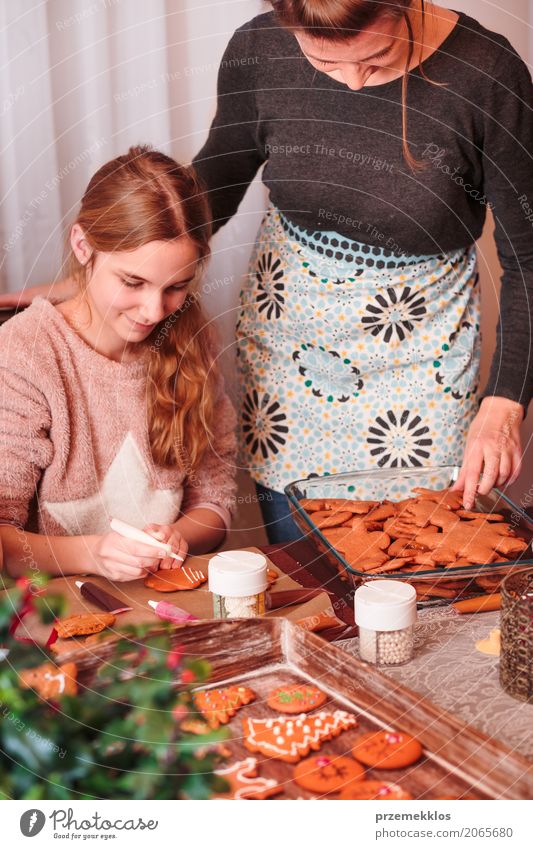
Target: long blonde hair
[338, 20]
[137, 198]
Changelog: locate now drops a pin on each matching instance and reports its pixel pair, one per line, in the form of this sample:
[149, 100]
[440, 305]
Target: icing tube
[101, 598]
[171, 613]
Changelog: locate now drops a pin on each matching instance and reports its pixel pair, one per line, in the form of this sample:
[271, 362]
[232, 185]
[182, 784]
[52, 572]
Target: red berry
[188, 676]
[174, 657]
[179, 712]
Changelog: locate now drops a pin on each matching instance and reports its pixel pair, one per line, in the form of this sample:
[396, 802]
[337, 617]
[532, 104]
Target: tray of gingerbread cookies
[306, 720]
[409, 524]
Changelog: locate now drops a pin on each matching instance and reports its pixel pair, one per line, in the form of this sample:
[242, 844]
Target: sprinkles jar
[238, 581]
[385, 612]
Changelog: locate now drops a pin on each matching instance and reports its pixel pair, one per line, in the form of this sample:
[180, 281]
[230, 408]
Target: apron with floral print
[353, 357]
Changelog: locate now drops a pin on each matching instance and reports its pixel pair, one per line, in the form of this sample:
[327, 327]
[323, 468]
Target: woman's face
[130, 292]
[377, 49]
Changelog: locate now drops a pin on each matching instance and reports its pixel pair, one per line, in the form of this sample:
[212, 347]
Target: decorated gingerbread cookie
[327, 773]
[172, 580]
[296, 698]
[219, 706]
[83, 623]
[377, 790]
[387, 749]
[245, 783]
[50, 681]
[292, 739]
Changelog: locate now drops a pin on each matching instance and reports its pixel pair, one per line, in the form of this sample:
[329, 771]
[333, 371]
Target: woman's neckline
[452, 35]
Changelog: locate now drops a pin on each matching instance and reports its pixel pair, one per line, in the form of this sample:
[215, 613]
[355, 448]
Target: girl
[111, 403]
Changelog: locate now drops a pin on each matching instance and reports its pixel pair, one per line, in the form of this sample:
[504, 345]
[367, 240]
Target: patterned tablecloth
[449, 670]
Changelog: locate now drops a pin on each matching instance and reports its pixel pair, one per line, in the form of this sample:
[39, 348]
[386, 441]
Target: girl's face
[373, 52]
[130, 292]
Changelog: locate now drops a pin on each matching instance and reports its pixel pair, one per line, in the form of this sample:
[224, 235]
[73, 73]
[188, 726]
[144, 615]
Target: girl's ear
[80, 246]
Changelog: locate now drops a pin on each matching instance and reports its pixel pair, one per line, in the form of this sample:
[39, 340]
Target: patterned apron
[354, 357]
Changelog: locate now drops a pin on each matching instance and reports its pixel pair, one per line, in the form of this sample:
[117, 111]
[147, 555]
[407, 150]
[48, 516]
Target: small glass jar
[385, 612]
[238, 581]
[516, 625]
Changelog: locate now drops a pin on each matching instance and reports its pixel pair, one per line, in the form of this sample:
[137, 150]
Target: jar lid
[385, 605]
[237, 573]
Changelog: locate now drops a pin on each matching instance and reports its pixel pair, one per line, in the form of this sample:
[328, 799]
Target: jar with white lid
[238, 581]
[385, 612]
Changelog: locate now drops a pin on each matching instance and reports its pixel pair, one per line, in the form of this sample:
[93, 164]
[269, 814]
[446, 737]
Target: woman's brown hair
[338, 20]
[137, 198]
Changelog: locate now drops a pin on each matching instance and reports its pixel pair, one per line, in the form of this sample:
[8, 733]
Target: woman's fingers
[506, 463]
[472, 469]
[516, 465]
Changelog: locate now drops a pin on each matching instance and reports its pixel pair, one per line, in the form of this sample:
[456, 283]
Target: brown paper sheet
[199, 602]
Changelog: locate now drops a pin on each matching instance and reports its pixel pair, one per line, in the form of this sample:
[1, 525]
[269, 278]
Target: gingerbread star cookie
[245, 783]
[172, 580]
[296, 698]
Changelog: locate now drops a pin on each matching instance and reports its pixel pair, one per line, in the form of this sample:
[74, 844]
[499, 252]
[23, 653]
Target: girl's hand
[492, 446]
[122, 559]
[169, 534]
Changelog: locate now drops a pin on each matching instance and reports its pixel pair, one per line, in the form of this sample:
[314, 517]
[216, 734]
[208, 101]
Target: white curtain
[80, 81]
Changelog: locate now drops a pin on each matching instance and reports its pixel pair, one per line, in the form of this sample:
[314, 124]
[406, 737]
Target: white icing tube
[131, 532]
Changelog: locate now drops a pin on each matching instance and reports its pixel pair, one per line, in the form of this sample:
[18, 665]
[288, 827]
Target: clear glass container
[387, 648]
[238, 582]
[385, 612]
[516, 625]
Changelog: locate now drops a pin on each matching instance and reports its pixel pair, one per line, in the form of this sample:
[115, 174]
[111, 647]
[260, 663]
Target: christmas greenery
[120, 737]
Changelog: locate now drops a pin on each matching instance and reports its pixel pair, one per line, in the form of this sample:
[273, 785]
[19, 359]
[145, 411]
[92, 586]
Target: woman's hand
[122, 559]
[169, 534]
[493, 447]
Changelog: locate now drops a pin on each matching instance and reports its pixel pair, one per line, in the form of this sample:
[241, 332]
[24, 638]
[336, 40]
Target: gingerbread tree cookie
[292, 739]
[219, 706]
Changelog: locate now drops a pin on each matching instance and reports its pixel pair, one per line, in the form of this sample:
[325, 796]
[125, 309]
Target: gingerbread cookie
[172, 580]
[81, 624]
[445, 497]
[377, 790]
[219, 706]
[358, 507]
[327, 774]
[51, 681]
[329, 519]
[424, 513]
[292, 739]
[296, 698]
[387, 749]
[245, 783]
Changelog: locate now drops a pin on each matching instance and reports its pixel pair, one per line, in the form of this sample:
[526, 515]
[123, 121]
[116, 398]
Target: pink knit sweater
[74, 447]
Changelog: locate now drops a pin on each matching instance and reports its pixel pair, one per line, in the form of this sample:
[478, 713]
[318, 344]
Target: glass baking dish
[396, 485]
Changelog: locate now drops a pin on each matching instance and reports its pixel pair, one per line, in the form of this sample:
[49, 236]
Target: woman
[386, 130]
[111, 402]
